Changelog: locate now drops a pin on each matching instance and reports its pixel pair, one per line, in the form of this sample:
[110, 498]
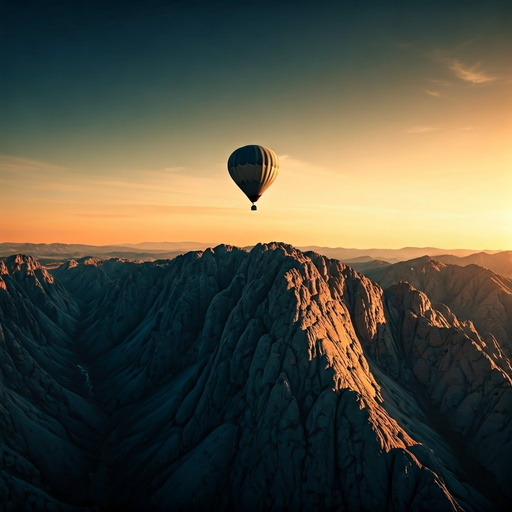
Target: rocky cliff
[475, 294]
[228, 379]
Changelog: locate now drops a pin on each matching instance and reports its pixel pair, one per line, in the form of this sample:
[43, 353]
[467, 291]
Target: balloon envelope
[253, 168]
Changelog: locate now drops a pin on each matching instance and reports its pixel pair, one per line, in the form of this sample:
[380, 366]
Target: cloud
[131, 210]
[173, 169]
[403, 44]
[25, 178]
[443, 83]
[288, 163]
[11, 163]
[436, 94]
[470, 74]
[421, 129]
[110, 183]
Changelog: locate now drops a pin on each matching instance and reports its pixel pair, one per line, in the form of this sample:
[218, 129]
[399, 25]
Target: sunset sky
[392, 122]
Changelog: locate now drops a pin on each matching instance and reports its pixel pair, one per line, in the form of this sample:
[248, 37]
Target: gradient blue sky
[392, 121]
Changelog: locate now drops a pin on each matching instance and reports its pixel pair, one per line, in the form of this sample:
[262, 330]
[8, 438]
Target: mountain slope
[473, 293]
[47, 428]
[501, 262]
[274, 379]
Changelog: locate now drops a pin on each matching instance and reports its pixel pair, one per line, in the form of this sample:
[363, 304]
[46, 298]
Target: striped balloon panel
[253, 154]
[253, 180]
[253, 168]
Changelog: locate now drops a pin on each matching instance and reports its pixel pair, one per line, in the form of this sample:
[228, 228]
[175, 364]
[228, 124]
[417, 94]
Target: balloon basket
[254, 208]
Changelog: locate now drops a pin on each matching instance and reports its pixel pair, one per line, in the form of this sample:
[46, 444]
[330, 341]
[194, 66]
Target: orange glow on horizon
[423, 162]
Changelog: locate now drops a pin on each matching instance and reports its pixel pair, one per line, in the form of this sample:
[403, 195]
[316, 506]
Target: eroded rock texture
[473, 293]
[235, 380]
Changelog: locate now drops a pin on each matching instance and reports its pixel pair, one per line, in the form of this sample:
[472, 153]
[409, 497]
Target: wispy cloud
[118, 184]
[429, 129]
[470, 74]
[173, 169]
[293, 162]
[131, 210]
[436, 94]
[16, 169]
[443, 83]
[11, 163]
[33, 180]
[421, 129]
[287, 162]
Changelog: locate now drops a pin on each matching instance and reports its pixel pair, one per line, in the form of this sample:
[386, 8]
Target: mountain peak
[17, 262]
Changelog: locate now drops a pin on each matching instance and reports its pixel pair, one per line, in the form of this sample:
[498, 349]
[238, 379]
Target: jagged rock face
[459, 375]
[46, 427]
[269, 379]
[473, 293]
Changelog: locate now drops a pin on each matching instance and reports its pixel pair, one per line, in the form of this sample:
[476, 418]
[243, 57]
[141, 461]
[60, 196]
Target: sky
[392, 122]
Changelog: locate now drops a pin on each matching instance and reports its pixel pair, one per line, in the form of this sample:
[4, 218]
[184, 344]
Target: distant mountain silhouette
[48, 253]
[52, 255]
[390, 255]
[500, 262]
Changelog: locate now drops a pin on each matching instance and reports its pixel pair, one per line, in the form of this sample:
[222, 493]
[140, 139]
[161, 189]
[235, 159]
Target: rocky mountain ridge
[473, 293]
[269, 379]
[500, 262]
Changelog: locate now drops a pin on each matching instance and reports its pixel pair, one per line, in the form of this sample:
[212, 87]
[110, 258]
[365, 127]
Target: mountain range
[269, 378]
[52, 255]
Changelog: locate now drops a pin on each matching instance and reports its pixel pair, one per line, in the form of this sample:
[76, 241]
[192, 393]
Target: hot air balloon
[253, 168]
